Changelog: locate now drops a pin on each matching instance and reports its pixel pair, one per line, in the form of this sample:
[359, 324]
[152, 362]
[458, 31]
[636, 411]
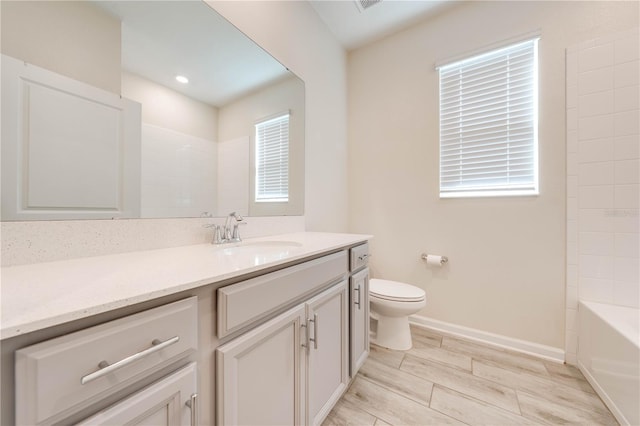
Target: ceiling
[162, 39]
[354, 28]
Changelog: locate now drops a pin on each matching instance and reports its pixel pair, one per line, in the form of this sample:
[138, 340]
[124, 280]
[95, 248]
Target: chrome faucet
[229, 233]
[217, 233]
[232, 234]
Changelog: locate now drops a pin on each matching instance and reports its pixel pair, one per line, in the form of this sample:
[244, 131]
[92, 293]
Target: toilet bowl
[391, 304]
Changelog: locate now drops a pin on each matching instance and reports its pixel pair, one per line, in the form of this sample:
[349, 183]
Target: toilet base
[392, 333]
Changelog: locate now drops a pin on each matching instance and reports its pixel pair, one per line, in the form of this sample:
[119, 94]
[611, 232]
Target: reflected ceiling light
[182, 79]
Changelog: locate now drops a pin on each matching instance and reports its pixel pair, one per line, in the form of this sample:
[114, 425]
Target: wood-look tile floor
[445, 380]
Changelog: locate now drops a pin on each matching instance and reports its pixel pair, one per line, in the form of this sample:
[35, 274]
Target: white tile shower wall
[603, 240]
[178, 176]
[233, 179]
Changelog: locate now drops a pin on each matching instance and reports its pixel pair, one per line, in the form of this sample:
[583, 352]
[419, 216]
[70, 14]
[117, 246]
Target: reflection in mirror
[167, 148]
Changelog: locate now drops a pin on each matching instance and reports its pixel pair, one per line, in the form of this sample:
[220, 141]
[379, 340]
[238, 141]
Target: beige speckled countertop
[41, 295]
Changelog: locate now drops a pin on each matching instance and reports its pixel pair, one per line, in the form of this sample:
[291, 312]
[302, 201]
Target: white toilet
[391, 304]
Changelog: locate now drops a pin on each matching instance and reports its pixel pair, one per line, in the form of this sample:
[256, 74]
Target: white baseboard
[530, 348]
[571, 358]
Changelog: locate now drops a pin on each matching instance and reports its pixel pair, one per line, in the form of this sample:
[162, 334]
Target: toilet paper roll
[435, 260]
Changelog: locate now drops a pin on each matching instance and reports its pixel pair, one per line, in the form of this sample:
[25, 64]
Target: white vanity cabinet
[168, 402]
[327, 351]
[359, 315]
[273, 343]
[75, 375]
[358, 307]
[260, 374]
[293, 368]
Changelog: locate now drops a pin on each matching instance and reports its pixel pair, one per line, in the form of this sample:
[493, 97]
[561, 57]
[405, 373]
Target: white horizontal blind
[272, 160]
[488, 123]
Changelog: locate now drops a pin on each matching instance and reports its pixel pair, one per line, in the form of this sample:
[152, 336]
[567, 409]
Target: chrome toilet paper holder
[443, 259]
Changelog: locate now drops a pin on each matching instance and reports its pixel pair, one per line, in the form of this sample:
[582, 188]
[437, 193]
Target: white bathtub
[609, 356]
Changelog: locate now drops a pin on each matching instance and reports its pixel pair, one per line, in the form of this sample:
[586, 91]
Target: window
[272, 159]
[488, 123]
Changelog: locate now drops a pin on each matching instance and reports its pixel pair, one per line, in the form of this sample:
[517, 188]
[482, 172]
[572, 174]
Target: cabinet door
[359, 314]
[259, 374]
[328, 350]
[69, 150]
[166, 402]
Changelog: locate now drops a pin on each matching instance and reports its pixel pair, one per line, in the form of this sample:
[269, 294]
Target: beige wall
[293, 33]
[506, 270]
[72, 38]
[238, 119]
[167, 108]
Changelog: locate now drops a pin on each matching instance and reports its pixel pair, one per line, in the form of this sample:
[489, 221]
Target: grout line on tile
[431, 395]
[518, 402]
[445, 414]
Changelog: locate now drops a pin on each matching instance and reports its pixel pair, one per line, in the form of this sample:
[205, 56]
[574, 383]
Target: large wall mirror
[96, 125]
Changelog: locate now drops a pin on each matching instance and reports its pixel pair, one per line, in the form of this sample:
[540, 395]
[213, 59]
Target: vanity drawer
[359, 256]
[243, 303]
[59, 377]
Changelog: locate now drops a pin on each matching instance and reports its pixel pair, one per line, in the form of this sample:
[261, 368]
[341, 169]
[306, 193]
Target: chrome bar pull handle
[315, 331]
[192, 403]
[305, 342]
[106, 368]
[358, 302]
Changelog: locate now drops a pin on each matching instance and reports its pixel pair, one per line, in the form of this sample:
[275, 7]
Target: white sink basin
[276, 243]
[249, 253]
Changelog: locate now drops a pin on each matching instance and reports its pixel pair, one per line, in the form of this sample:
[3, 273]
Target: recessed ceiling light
[182, 79]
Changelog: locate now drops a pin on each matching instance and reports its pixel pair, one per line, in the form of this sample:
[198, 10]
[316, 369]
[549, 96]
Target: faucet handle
[236, 231]
[217, 233]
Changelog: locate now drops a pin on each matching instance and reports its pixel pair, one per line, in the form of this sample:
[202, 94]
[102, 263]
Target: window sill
[485, 194]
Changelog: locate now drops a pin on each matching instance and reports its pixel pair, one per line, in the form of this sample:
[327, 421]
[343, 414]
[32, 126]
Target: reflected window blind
[488, 123]
[272, 159]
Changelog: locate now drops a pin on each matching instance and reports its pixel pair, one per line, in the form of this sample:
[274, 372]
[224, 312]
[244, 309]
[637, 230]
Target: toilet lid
[393, 290]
